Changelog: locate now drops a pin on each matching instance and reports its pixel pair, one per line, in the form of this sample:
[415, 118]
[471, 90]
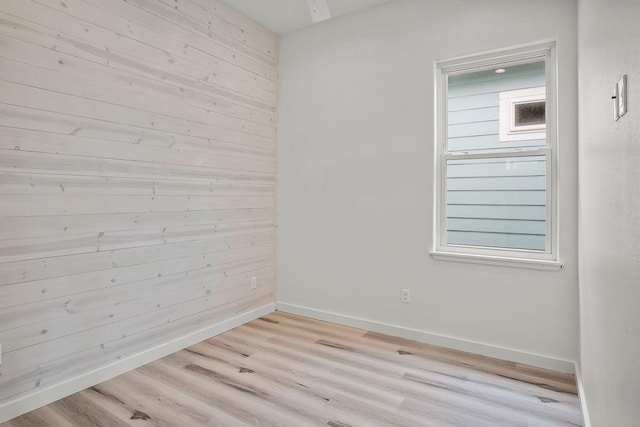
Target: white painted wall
[356, 175]
[610, 212]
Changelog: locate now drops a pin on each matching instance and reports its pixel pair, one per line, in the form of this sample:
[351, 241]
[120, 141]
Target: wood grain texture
[286, 370]
[137, 182]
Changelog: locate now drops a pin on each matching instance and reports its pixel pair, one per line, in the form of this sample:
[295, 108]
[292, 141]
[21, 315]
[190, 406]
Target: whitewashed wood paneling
[137, 178]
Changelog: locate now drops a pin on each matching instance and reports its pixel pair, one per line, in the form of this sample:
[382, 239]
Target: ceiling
[283, 16]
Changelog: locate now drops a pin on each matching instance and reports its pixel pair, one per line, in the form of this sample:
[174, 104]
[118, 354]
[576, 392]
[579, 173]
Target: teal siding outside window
[493, 202]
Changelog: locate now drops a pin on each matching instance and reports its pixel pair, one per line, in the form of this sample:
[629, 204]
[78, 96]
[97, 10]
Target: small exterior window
[496, 158]
[523, 114]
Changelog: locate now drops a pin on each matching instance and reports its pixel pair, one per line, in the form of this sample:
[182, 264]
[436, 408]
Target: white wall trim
[432, 338]
[499, 261]
[36, 399]
[581, 395]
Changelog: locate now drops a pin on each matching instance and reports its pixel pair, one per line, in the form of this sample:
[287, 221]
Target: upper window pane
[497, 109]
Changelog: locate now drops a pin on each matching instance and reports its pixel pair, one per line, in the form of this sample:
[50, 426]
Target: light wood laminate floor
[287, 370]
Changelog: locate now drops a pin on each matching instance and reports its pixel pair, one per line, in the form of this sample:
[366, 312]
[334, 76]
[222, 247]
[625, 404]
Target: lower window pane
[497, 202]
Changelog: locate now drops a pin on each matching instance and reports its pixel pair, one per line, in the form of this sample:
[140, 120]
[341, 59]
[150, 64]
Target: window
[523, 114]
[495, 158]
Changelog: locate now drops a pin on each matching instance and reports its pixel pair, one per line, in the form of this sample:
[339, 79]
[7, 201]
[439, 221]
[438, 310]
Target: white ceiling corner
[284, 16]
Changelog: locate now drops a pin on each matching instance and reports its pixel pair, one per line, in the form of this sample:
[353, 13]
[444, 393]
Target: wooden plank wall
[137, 178]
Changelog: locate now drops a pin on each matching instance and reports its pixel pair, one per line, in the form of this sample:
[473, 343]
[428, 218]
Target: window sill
[500, 261]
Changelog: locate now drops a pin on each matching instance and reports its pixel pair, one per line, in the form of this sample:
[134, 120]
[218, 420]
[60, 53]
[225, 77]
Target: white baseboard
[583, 398]
[431, 338]
[36, 399]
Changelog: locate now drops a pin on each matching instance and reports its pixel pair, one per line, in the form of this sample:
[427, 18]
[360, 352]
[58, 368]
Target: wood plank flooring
[287, 370]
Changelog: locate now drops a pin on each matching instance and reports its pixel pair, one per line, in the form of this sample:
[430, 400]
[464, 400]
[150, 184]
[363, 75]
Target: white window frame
[508, 102]
[547, 259]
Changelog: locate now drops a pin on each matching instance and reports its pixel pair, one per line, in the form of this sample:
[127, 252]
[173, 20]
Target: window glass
[474, 108]
[495, 165]
[529, 113]
[497, 202]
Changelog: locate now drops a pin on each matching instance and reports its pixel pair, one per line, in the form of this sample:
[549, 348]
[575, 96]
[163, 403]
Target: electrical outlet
[254, 282]
[406, 296]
